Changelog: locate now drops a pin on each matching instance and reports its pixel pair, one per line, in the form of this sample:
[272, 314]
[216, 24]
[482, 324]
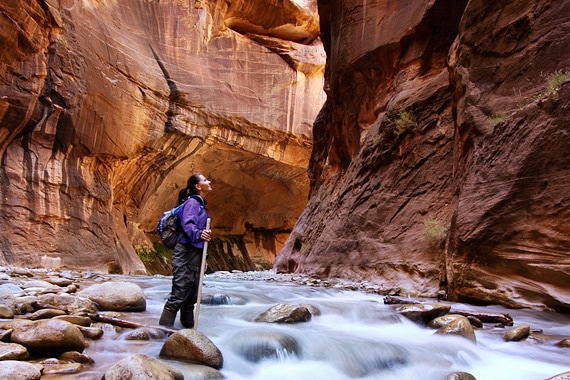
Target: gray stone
[312, 309]
[255, 345]
[79, 320]
[145, 333]
[438, 322]
[6, 312]
[13, 351]
[8, 294]
[459, 326]
[75, 356]
[46, 314]
[116, 296]
[564, 343]
[202, 372]
[39, 287]
[517, 333]
[69, 302]
[192, 346]
[285, 313]
[59, 367]
[141, 367]
[423, 312]
[10, 369]
[460, 376]
[14, 323]
[93, 332]
[216, 299]
[49, 337]
[59, 281]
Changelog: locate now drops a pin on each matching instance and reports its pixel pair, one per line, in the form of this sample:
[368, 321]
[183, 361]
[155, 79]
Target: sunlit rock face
[107, 107]
[440, 159]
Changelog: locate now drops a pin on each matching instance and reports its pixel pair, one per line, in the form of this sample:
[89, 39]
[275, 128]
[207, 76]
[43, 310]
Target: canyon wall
[437, 165]
[107, 107]
[440, 163]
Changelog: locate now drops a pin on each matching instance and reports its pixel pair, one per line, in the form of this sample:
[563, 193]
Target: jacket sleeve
[193, 222]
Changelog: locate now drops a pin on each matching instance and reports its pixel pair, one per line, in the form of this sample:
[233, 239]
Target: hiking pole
[202, 271]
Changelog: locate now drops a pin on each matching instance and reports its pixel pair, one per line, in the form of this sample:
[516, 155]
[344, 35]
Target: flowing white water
[356, 336]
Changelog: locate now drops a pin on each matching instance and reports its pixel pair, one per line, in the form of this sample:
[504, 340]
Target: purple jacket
[193, 217]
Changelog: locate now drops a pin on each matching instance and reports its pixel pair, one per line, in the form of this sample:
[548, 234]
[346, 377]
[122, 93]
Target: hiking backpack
[168, 227]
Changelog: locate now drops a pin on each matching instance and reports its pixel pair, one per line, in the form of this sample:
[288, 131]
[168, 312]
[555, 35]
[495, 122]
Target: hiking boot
[167, 318]
[187, 317]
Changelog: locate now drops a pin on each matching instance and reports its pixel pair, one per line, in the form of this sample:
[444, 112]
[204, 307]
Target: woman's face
[203, 186]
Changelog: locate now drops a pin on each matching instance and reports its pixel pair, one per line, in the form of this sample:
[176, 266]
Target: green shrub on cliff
[553, 83]
[403, 121]
[156, 253]
[434, 231]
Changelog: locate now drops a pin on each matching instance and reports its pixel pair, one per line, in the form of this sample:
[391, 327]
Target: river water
[356, 336]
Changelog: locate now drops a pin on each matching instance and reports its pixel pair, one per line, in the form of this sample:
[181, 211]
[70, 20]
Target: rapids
[356, 336]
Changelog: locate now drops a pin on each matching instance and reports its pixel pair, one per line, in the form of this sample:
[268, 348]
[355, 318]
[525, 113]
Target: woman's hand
[206, 235]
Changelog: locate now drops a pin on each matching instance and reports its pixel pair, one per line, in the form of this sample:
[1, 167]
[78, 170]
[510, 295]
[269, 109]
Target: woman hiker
[187, 254]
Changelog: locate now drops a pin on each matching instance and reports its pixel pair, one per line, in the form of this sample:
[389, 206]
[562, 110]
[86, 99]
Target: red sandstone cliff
[107, 107]
[440, 159]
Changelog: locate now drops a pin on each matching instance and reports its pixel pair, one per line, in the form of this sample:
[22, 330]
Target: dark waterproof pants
[186, 261]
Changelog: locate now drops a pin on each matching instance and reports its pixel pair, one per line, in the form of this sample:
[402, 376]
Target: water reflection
[355, 337]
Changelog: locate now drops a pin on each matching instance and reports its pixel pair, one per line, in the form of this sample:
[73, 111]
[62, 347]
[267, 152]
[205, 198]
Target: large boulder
[116, 296]
[192, 346]
[49, 337]
[140, 366]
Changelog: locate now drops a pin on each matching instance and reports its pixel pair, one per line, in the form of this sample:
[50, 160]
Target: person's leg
[182, 280]
[167, 317]
[187, 307]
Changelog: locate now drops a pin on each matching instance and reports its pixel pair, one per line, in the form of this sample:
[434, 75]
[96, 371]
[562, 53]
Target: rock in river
[49, 337]
[116, 296]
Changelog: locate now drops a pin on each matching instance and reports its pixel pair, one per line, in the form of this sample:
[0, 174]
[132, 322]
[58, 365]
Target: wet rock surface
[259, 345]
[139, 366]
[517, 333]
[116, 296]
[192, 346]
[284, 313]
[459, 326]
[10, 369]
